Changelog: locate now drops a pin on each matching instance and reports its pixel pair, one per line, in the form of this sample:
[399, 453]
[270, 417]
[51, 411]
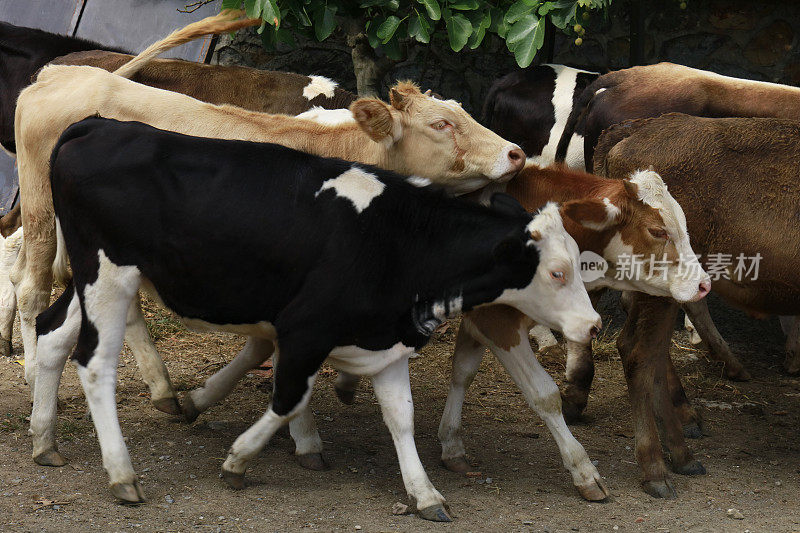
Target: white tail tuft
[61, 270]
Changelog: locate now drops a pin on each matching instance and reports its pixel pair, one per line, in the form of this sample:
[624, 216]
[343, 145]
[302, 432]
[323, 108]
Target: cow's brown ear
[375, 118]
[591, 213]
[631, 188]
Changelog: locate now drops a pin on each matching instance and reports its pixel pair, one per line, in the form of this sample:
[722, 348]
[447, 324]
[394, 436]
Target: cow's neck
[460, 275]
[535, 186]
[345, 141]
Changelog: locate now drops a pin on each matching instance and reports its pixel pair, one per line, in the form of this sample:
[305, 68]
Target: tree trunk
[368, 67]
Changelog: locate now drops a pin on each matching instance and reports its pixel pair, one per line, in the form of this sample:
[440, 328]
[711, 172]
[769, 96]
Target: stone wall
[749, 39]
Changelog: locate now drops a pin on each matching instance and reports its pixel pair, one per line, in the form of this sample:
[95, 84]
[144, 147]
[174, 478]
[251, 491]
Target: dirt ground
[752, 452]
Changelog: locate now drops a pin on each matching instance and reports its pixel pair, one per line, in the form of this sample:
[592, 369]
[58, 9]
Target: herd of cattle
[346, 242]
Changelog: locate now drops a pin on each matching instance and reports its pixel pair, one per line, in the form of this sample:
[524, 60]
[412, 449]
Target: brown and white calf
[414, 134]
[746, 168]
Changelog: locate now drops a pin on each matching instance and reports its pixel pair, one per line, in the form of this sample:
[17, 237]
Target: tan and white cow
[414, 134]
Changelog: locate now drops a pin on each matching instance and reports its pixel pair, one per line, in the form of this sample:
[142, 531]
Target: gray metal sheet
[9, 183]
[55, 16]
[135, 24]
[129, 24]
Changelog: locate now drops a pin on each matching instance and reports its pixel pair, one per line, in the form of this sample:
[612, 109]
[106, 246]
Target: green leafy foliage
[454, 23]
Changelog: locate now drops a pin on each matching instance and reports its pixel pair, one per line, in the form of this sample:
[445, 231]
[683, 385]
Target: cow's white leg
[543, 396]
[307, 442]
[9, 250]
[58, 333]
[32, 287]
[105, 308]
[218, 386]
[543, 336]
[393, 389]
[791, 327]
[154, 373]
[345, 387]
[252, 441]
[694, 337]
[467, 358]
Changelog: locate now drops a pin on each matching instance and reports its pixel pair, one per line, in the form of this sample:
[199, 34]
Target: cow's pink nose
[517, 159]
[703, 289]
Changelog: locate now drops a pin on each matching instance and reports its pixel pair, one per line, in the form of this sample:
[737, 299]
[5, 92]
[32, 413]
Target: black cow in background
[531, 107]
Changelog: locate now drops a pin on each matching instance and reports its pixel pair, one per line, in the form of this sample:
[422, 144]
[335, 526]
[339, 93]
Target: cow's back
[737, 181]
[652, 90]
[264, 91]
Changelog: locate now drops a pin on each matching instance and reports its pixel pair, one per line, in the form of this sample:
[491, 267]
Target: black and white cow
[326, 258]
[530, 107]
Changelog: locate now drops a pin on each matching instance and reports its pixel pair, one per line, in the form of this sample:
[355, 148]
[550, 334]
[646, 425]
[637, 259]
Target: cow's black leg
[295, 372]
[57, 332]
[345, 387]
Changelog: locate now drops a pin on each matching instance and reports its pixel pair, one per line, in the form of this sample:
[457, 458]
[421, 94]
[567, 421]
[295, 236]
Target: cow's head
[544, 260]
[437, 139]
[642, 234]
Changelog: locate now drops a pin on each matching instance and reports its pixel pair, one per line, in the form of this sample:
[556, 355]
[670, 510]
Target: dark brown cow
[717, 169]
[652, 90]
[265, 91]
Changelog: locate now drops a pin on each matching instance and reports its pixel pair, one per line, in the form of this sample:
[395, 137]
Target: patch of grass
[69, 429]
[161, 323]
[12, 422]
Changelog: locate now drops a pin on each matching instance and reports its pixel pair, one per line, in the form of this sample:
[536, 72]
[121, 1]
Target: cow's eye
[440, 125]
[659, 233]
[559, 276]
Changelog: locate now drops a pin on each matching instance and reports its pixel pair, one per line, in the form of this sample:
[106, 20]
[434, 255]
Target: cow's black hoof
[692, 468]
[457, 464]
[660, 489]
[168, 405]
[50, 458]
[435, 513]
[312, 461]
[190, 411]
[692, 431]
[5, 348]
[234, 480]
[129, 493]
[347, 397]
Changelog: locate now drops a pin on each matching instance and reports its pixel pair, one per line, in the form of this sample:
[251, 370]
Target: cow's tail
[578, 110]
[610, 138]
[61, 270]
[228, 20]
